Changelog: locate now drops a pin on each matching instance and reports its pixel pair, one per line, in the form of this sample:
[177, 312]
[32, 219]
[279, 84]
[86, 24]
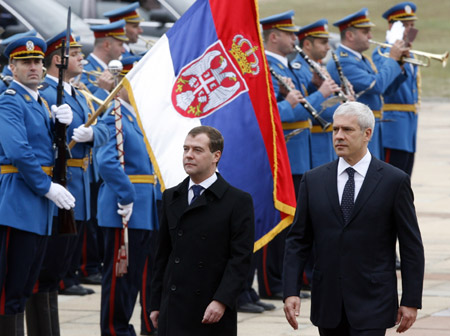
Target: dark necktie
[348, 196]
[197, 189]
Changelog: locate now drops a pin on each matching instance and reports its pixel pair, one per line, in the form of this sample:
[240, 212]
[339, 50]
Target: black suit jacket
[204, 254]
[355, 263]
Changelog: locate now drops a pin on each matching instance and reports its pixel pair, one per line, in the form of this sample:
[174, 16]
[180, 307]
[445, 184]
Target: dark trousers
[119, 294]
[270, 260]
[21, 256]
[92, 239]
[58, 258]
[70, 277]
[248, 294]
[344, 329]
[144, 294]
[400, 159]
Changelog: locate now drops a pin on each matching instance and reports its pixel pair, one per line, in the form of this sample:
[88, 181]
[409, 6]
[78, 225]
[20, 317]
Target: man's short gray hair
[361, 111]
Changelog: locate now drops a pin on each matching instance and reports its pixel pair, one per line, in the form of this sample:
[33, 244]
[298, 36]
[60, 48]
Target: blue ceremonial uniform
[26, 142]
[117, 187]
[293, 118]
[322, 150]
[400, 107]
[6, 77]
[93, 65]
[77, 175]
[361, 74]
[134, 184]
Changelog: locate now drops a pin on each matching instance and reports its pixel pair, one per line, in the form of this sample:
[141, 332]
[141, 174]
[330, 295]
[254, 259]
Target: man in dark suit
[352, 210]
[205, 246]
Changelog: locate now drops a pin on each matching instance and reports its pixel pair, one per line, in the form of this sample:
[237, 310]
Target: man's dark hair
[353, 29]
[48, 59]
[215, 137]
[302, 41]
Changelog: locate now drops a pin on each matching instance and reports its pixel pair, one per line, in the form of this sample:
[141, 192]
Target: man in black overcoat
[205, 246]
[351, 211]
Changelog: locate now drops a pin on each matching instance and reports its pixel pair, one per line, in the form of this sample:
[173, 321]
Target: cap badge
[408, 9]
[30, 46]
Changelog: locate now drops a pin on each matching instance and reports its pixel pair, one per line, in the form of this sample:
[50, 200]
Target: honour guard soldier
[109, 41]
[42, 307]
[132, 24]
[361, 72]
[108, 46]
[313, 41]
[279, 39]
[399, 136]
[127, 193]
[27, 192]
[6, 75]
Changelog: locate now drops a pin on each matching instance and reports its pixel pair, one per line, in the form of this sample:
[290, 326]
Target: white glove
[60, 196]
[83, 134]
[63, 113]
[125, 210]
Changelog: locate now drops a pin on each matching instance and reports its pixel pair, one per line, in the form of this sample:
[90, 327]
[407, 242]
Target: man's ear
[217, 156]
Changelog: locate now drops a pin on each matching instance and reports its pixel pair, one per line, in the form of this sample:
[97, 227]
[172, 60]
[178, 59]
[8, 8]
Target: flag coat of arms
[210, 69]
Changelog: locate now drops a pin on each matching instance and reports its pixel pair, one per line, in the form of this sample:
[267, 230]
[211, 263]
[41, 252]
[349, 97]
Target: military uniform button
[180, 233]
[173, 288]
[203, 237]
[197, 292]
[201, 264]
[177, 260]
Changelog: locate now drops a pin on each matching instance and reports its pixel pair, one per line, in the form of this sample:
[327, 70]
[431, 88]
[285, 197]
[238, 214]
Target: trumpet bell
[426, 55]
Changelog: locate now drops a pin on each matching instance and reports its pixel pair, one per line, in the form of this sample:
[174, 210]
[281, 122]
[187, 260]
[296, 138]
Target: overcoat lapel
[180, 200]
[371, 181]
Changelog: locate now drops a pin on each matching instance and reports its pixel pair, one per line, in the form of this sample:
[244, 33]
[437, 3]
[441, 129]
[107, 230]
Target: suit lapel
[371, 181]
[331, 187]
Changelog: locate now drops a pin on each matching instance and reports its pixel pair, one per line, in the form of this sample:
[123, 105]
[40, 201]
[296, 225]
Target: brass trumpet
[93, 73]
[114, 66]
[426, 55]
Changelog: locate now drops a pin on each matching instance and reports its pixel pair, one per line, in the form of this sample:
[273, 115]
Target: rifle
[66, 218]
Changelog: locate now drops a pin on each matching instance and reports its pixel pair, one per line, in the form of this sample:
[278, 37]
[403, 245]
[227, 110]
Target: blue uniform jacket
[361, 74]
[26, 142]
[93, 65]
[5, 72]
[299, 145]
[117, 187]
[77, 178]
[400, 107]
[322, 150]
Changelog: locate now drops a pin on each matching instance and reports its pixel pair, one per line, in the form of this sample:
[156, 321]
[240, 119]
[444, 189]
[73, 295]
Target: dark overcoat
[204, 254]
[355, 262]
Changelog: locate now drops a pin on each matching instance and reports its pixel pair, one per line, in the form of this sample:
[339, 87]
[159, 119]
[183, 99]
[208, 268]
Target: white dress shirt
[205, 184]
[360, 173]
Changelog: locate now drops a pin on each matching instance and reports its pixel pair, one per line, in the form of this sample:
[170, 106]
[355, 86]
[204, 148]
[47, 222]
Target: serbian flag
[210, 69]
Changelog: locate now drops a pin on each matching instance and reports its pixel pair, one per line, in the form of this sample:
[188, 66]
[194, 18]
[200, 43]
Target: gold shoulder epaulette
[343, 54]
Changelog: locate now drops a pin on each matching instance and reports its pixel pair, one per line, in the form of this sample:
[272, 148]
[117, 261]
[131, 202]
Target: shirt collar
[361, 166]
[32, 93]
[206, 183]
[67, 86]
[99, 61]
[357, 54]
[280, 58]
